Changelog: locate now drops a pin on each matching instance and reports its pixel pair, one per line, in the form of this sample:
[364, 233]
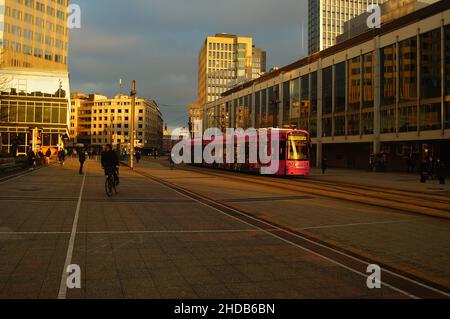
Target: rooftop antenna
[120, 86]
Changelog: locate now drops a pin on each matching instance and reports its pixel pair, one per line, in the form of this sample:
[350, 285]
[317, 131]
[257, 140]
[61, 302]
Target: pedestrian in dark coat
[441, 171]
[82, 159]
[423, 172]
[430, 168]
[48, 155]
[324, 165]
[31, 159]
[138, 157]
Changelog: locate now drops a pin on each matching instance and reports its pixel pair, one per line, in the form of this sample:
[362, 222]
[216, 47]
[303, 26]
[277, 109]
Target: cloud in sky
[156, 42]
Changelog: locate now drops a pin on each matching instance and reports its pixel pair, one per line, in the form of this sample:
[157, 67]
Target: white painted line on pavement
[357, 224]
[137, 232]
[213, 231]
[34, 233]
[63, 287]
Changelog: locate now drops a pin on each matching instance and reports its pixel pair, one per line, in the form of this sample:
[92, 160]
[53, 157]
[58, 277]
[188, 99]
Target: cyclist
[110, 162]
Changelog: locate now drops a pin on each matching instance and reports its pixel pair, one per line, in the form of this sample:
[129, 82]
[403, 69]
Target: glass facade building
[386, 92]
[34, 79]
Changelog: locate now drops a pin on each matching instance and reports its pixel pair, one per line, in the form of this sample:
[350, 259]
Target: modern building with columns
[34, 74]
[386, 91]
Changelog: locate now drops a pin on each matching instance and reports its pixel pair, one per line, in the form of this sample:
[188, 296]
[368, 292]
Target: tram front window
[297, 148]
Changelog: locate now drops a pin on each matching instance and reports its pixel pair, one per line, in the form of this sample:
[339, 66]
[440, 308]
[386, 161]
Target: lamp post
[133, 106]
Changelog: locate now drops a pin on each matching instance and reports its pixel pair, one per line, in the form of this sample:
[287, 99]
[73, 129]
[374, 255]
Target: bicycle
[110, 184]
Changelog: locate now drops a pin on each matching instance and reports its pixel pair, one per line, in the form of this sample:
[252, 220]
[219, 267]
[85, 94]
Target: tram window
[297, 148]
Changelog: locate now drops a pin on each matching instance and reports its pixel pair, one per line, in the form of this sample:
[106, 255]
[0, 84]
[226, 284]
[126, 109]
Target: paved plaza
[152, 241]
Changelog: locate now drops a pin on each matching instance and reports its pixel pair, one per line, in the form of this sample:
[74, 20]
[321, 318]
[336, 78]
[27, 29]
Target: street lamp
[133, 105]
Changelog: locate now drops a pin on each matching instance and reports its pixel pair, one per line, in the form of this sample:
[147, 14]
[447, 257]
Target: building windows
[353, 124]
[408, 70]
[354, 84]
[388, 71]
[237, 114]
[367, 122]
[264, 116]
[327, 126]
[339, 83]
[313, 108]
[354, 96]
[257, 109]
[248, 111]
[430, 64]
[368, 77]
[327, 101]
[30, 112]
[339, 111]
[273, 106]
[286, 103]
[388, 120]
[327, 90]
[430, 117]
[407, 118]
[295, 102]
[304, 102]
[339, 125]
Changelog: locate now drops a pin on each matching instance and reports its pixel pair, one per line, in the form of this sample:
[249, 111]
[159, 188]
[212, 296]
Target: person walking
[82, 159]
[31, 159]
[441, 171]
[423, 172]
[430, 168]
[138, 157]
[48, 155]
[324, 165]
[62, 156]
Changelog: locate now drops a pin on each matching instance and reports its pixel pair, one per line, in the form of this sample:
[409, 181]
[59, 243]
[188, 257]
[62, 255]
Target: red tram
[294, 149]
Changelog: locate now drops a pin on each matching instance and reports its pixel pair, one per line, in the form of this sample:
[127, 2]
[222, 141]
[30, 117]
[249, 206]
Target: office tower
[259, 62]
[34, 78]
[226, 60]
[327, 18]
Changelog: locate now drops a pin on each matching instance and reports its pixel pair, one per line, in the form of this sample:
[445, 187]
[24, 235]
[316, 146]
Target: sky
[156, 43]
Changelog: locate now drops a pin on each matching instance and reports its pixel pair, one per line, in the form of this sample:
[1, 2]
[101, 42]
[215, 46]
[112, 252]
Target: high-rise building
[195, 115]
[226, 60]
[34, 78]
[327, 18]
[97, 120]
[259, 62]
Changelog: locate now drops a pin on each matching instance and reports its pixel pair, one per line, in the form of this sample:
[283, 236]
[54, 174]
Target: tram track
[434, 198]
[410, 285]
[395, 200]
